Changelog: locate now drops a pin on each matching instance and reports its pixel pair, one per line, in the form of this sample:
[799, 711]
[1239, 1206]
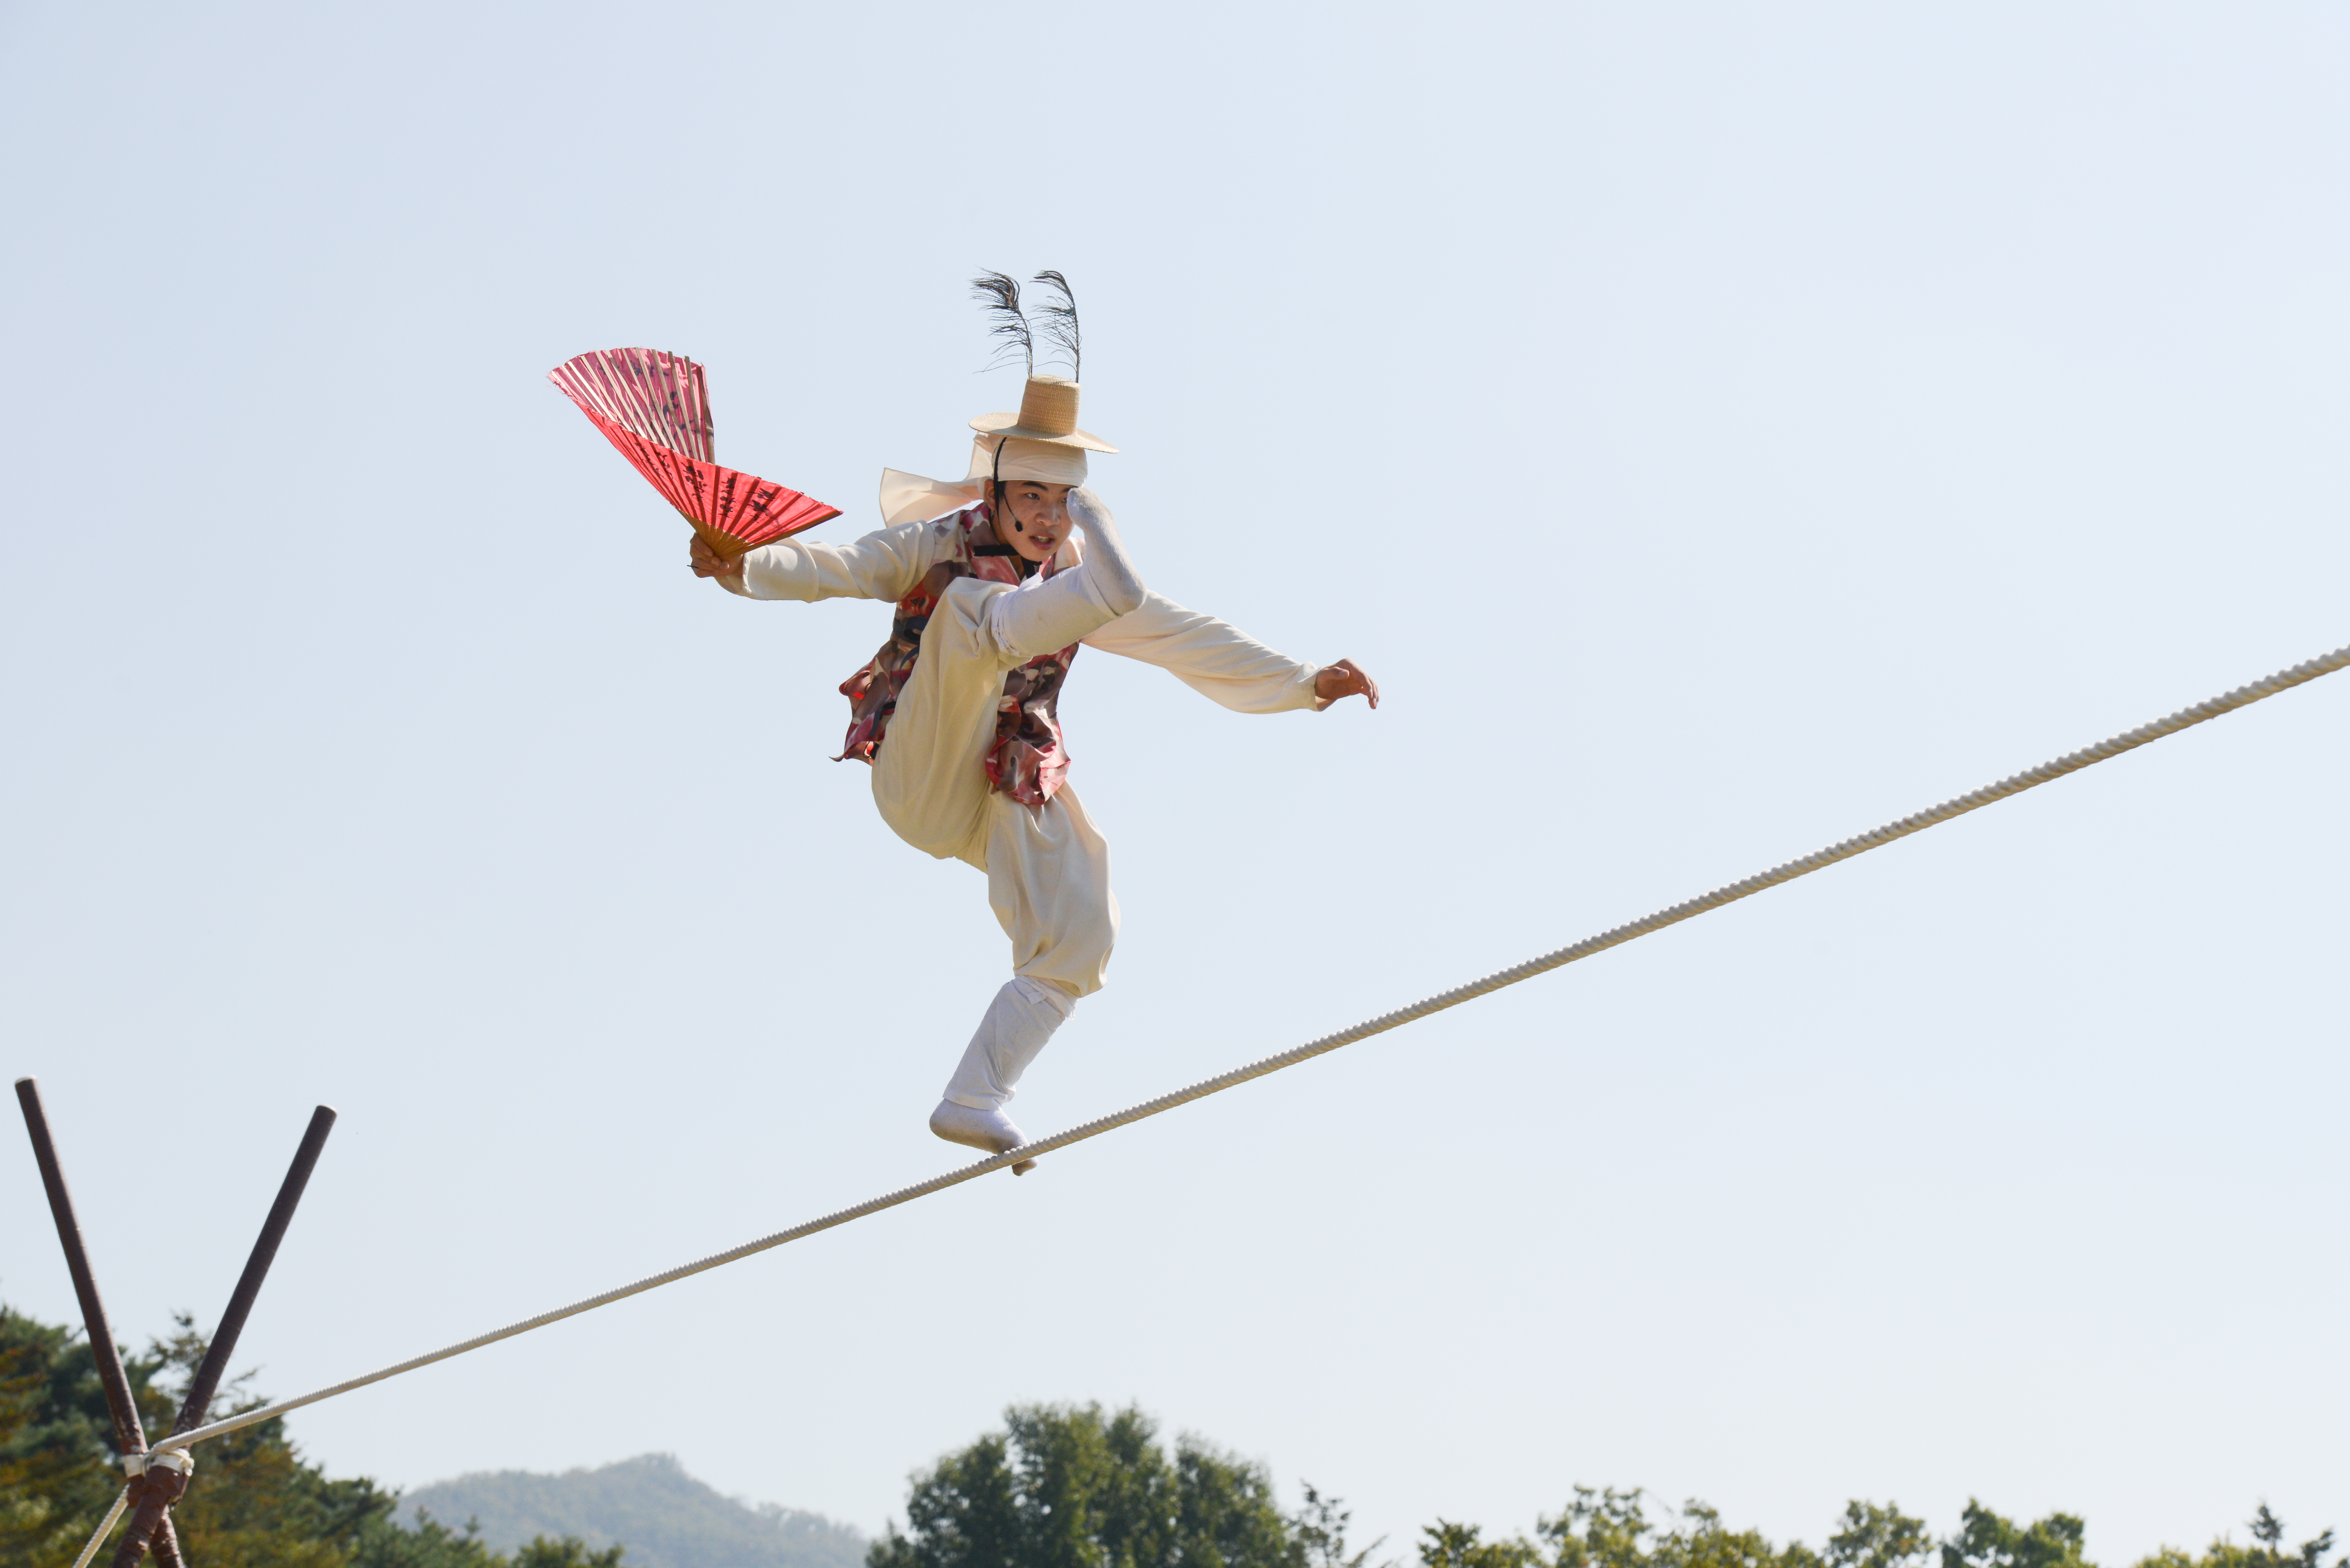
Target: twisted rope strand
[1973, 800]
[105, 1528]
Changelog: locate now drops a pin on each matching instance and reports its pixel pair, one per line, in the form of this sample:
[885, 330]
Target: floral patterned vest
[1027, 760]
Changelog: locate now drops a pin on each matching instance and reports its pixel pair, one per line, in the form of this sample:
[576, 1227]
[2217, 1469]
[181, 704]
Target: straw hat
[1042, 441]
[1048, 412]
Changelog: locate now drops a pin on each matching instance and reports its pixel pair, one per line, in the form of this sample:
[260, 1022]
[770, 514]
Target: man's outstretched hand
[1345, 678]
[709, 563]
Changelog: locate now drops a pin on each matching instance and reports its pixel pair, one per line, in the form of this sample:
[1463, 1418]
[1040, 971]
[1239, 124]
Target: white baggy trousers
[1047, 867]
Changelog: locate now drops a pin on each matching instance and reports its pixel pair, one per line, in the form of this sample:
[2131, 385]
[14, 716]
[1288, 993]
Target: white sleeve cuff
[770, 572]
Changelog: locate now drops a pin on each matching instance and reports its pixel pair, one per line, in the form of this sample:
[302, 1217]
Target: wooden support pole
[256, 1269]
[129, 1435]
[130, 1438]
[150, 1520]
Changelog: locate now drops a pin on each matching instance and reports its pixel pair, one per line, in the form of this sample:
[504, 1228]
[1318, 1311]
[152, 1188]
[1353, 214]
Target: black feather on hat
[1003, 307]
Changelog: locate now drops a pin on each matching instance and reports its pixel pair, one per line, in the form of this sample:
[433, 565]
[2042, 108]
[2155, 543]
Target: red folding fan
[655, 408]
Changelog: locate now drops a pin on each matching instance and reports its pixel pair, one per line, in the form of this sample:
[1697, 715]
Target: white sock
[1015, 1028]
[989, 1131]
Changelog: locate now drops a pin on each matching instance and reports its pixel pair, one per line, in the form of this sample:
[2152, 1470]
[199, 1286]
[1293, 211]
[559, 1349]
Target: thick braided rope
[1973, 800]
[105, 1528]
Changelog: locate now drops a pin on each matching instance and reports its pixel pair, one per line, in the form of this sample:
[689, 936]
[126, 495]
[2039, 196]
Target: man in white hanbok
[998, 580]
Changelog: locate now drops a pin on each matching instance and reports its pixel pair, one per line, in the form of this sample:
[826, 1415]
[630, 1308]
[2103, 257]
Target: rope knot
[157, 1479]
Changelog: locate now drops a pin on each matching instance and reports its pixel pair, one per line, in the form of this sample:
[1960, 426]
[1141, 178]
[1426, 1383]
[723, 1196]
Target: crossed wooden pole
[158, 1480]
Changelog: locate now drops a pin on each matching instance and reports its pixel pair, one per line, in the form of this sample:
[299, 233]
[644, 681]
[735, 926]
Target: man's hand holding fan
[709, 563]
[655, 408]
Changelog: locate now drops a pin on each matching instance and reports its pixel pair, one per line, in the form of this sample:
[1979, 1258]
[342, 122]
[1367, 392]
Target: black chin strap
[1002, 442]
[1002, 508]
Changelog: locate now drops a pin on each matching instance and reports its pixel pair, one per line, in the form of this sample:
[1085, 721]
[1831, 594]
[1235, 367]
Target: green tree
[1986, 1540]
[1067, 1487]
[1600, 1529]
[32, 1526]
[2268, 1550]
[1317, 1534]
[1611, 1529]
[1450, 1545]
[57, 1440]
[1701, 1541]
[1875, 1537]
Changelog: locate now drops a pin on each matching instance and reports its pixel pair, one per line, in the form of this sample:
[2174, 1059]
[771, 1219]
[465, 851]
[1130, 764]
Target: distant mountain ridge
[649, 1504]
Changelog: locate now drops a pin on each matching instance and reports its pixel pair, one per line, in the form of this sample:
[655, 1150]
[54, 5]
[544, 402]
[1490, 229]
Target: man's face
[1038, 518]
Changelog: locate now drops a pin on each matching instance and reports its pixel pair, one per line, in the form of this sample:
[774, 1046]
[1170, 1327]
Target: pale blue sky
[1721, 428]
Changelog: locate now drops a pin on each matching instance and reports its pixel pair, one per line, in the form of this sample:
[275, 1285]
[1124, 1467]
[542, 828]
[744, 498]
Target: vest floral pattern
[1027, 760]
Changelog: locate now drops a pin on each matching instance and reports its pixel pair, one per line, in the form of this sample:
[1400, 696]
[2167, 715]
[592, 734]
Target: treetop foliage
[1986, 1540]
[1071, 1487]
[1605, 1527]
[2268, 1550]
